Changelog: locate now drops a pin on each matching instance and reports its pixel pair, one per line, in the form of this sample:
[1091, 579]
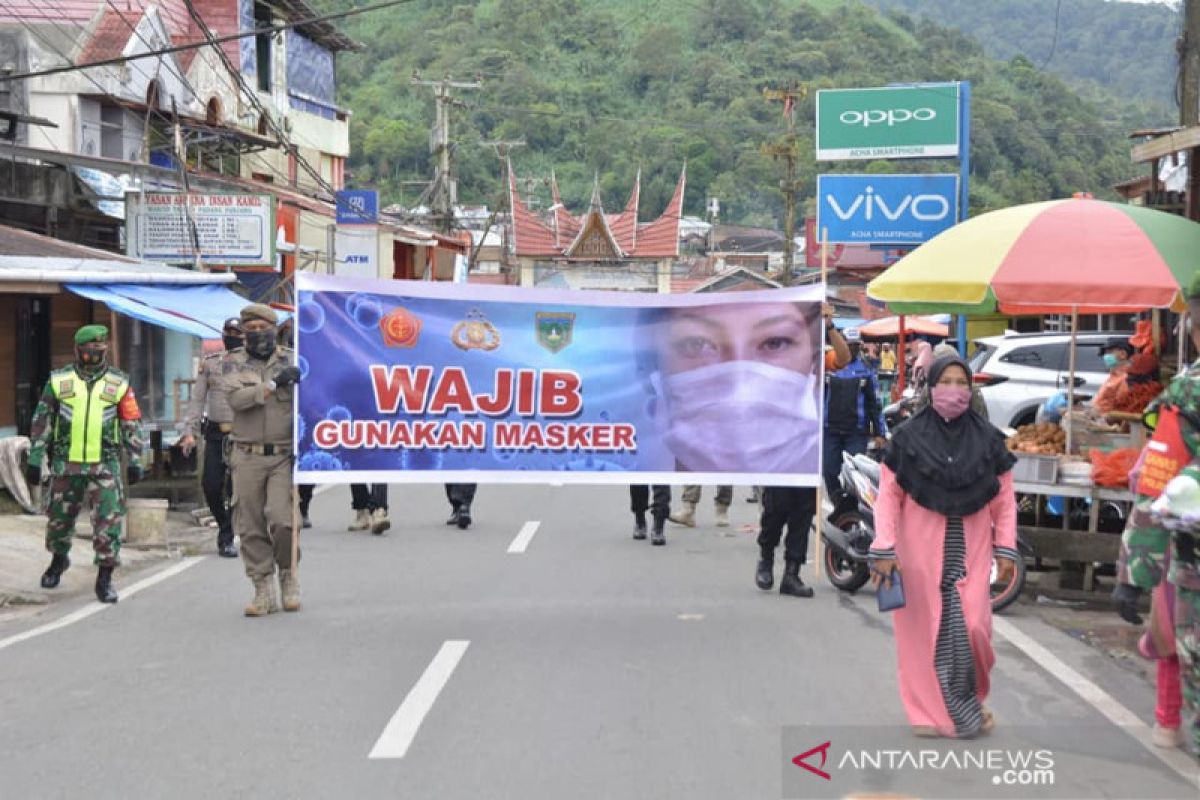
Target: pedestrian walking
[87, 415]
[260, 383]
[691, 498]
[793, 507]
[853, 414]
[460, 495]
[370, 505]
[209, 416]
[640, 502]
[946, 508]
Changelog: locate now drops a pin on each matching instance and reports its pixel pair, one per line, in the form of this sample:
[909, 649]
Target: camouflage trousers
[1187, 644]
[66, 496]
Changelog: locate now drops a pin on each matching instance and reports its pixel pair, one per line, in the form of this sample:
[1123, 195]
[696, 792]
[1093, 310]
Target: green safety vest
[87, 410]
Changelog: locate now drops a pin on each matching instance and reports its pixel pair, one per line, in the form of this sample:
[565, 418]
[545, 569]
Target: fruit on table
[1043, 438]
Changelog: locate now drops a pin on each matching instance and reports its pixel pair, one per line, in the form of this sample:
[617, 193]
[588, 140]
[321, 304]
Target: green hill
[608, 86]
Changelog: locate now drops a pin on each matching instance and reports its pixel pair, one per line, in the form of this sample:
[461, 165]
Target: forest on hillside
[1127, 49]
[605, 87]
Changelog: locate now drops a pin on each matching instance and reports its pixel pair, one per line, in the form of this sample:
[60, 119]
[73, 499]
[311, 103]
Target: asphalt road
[587, 666]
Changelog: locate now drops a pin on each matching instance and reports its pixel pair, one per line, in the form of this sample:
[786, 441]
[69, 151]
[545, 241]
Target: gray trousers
[262, 510]
[691, 494]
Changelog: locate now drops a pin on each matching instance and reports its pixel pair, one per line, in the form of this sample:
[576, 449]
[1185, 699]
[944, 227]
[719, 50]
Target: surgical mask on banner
[738, 416]
[261, 344]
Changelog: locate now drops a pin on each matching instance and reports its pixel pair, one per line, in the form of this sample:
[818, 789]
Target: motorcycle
[850, 529]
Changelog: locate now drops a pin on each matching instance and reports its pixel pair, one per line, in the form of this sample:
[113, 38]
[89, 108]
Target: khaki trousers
[262, 510]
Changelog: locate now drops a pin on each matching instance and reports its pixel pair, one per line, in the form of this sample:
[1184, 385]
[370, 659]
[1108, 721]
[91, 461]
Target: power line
[17, 76]
[1054, 41]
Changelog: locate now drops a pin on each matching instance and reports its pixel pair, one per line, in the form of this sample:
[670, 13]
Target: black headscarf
[952, 468]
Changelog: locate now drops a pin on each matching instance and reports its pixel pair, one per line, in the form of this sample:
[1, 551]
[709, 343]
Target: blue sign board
[357, 207]
[885, 209]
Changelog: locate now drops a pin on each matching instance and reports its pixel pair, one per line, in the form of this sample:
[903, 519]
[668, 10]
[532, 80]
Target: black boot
[105, 592]
[657, 535]
[453, 520]
[764, 576]
[639, 526]
[58, 565]
[791, 583]
[464, 517]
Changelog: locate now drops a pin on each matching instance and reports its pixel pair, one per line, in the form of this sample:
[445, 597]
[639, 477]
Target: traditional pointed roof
[595, 239]
[561, 234]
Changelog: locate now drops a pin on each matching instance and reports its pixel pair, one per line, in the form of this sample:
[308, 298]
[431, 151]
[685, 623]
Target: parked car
[1019, 372]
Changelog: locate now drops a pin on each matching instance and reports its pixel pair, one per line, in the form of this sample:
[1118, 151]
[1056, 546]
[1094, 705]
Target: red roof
[534, 236]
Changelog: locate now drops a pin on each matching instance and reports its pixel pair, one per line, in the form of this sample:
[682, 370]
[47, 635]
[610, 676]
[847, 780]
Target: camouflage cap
[260, 311]
[91, 333]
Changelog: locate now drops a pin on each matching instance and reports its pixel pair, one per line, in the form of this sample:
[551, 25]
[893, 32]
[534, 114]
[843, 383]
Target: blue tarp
[198, 310]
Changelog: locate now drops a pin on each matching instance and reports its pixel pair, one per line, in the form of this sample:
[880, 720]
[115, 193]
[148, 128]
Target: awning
[196, 310]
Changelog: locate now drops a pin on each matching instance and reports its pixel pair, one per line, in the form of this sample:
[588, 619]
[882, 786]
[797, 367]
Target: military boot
[658, 535]
[289, 587]
[791, 583]
[362, 520]
[722, 516]
[264, 601]
[455, 511]
[58, 565]
[686, 517]
[464, 516]
[380, 521]
[105, 592]
[639, 526]
[764, 576]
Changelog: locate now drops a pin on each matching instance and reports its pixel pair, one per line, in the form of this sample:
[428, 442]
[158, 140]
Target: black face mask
[260, 344]
[91, 358]
[232, 342]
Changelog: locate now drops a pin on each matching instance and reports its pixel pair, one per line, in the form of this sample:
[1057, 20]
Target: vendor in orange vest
[1116, 353]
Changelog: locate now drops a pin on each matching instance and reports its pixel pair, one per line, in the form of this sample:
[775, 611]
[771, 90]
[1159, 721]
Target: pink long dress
[918, 537]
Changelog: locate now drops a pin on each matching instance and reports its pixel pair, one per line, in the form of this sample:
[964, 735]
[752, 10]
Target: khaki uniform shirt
[260, 415]
[208, 397]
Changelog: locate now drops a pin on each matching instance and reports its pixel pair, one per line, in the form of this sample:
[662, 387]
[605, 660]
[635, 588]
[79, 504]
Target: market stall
[1060, 257]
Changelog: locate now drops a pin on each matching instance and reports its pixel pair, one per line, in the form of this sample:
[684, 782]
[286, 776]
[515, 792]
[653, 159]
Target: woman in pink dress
[946, 507]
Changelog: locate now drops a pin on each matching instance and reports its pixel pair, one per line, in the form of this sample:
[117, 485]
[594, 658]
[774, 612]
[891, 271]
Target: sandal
[925, 732]
[988, 721]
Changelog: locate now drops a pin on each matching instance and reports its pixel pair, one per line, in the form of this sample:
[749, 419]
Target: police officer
[259, 380]
[86, 416]
[209, 415]
[1146, 543]
[460, 495]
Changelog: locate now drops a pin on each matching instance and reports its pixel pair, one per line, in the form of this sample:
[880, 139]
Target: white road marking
[97, 607]
[689, 617]
[402, 728]
[1096, 697]
[524, 537]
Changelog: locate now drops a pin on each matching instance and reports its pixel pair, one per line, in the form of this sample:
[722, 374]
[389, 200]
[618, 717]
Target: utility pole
[787, 150]
[502, 148]
[443, 195]
[1189, 96]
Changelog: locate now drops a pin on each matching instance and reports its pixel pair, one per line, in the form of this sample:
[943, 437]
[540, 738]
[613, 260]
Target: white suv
[1019, 372]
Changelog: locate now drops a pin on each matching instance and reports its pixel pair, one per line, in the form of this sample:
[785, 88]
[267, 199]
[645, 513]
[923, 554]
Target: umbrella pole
[1071, 377]
[901, 361]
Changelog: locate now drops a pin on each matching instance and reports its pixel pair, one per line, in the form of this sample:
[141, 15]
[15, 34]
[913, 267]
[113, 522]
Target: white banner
[235, 229]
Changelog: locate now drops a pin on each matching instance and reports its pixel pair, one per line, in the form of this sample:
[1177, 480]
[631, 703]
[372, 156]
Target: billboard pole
[964, 183]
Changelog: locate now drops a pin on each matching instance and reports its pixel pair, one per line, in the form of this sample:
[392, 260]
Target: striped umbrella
[1056, 257]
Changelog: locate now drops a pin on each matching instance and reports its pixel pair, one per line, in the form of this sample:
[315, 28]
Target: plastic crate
[1035, 469]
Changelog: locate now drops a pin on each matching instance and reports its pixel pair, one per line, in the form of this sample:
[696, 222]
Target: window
[1049, 355]
[262, 46]
[212, 113]
[1088, 358]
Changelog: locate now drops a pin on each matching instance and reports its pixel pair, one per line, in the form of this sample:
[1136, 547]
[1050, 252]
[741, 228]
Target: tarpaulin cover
[196, 310]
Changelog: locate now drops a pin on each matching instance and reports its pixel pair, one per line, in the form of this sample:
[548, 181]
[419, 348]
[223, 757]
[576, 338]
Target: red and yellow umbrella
[1055, 257]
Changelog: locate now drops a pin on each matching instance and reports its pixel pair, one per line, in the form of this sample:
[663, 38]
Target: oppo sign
[891, 117]
[885, 209]
[895, 122]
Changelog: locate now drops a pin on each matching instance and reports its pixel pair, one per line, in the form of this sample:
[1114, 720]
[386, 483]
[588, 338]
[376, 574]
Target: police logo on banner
[475, 333]
[555, 329]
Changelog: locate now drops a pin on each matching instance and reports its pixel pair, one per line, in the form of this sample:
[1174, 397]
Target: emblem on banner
[400, 328]
[475, 333]
[554, 329]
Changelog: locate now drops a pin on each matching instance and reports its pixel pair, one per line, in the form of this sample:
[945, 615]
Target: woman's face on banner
[772, 333]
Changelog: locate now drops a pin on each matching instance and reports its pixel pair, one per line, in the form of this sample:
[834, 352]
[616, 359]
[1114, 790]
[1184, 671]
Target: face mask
[90, 357]
[232, 342]
[739, 416]
[951, 402]
[260, 344]
[1111, 361]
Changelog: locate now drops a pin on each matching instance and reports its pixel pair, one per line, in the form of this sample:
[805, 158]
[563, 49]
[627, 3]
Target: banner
[422, 382]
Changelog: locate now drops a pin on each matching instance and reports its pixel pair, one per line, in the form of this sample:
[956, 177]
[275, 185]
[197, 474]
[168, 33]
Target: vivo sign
[885, 209]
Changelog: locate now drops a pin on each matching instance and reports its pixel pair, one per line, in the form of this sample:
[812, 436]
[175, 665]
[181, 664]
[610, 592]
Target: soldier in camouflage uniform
[1146, 543]
[87, 414]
